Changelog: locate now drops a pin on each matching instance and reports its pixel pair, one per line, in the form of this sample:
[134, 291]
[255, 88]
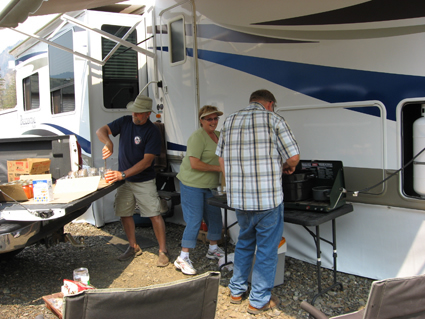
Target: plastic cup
[82, 275]
[102, 172]
[93, 171]
[83, 172]
[108, 180]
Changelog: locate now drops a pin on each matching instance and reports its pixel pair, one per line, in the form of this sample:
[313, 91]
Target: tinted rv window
[61, 66]
[177, 45]
[120, 73]
[31, 92]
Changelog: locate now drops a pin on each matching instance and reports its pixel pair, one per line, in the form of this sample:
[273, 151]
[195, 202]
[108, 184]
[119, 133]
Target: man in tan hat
[140, 142]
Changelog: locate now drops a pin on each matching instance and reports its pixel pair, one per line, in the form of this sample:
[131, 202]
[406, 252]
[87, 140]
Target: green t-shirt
[201, 146]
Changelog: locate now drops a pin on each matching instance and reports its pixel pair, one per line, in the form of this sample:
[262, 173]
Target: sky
[10, 37]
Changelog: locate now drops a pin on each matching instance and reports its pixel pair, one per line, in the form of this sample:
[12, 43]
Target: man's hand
[113, 176]
[107, 150]
[103, 135]
[290, 165]
[288, 170]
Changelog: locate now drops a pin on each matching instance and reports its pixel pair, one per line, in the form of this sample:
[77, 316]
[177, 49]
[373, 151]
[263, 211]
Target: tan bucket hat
[141, 104]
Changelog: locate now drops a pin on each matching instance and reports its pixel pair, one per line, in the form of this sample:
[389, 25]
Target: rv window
[31, 92]
[61, 68]
[177, 43]
[120, 73]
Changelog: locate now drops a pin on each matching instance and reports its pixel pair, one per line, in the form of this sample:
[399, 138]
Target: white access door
[175, 45]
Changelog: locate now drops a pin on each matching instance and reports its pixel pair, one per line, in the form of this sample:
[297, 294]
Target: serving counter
[36, 228]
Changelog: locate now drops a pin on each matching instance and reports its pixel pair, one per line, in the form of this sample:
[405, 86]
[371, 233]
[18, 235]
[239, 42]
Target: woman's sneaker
[215, 254]
[185, 265]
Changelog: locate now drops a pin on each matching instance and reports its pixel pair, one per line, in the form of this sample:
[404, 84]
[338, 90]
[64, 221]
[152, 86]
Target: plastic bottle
[27, 190]
[31, 188]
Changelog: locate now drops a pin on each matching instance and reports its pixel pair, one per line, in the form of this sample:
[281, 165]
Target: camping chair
[167, 301]
[164, 176]
[389, 298]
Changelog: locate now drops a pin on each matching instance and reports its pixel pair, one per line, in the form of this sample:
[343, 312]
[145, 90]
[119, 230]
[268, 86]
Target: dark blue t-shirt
[135, 142]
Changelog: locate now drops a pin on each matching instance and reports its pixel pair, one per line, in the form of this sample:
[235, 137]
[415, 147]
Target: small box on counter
[43, 189]
[27, 166]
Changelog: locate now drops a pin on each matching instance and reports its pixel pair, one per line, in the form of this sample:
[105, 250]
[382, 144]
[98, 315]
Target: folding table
[303, 218]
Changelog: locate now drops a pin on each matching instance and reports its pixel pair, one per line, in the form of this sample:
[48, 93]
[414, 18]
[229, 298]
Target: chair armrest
[316, 313]
[166, 174]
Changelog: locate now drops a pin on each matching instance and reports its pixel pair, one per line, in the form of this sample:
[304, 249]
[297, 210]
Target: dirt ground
[38, 271]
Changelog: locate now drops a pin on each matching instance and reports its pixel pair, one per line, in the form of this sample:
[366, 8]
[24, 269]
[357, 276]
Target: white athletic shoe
[215, 254]
[185, 265]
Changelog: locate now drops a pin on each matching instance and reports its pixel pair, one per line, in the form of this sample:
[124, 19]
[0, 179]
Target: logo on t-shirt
[137, 140]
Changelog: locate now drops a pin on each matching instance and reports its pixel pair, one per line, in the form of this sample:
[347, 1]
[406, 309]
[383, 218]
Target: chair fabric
[397, 298]
[199, 300]
[393, 298]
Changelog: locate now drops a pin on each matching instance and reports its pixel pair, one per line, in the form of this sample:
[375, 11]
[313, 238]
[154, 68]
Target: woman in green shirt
[200, 171]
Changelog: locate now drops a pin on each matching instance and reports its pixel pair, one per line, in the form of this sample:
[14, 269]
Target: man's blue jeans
[195, 207]
[262, 229]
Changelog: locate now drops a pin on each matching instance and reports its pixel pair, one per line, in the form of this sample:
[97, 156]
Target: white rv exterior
[348, 76]
[350, 86]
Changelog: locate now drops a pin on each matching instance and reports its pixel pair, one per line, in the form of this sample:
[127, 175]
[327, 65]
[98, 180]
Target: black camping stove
[327, 173]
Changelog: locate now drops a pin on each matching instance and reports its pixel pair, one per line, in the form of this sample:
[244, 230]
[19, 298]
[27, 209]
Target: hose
[365, 190]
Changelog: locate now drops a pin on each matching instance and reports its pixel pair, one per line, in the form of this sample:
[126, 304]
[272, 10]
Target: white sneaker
[185, 265]
[215, 254]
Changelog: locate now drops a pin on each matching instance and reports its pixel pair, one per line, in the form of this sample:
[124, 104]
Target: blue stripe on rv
[84, 143]
[176, 147]
[329, 84]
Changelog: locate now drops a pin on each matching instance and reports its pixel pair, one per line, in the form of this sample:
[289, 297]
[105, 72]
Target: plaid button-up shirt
[254, 144]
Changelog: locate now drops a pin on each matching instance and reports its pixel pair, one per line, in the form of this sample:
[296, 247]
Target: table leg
[225, 240]
[335, 254]
[318, 261]
[334, 248]
[319, 273]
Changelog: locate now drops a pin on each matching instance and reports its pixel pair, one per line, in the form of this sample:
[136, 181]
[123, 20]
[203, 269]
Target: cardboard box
[27, 166]
[280, 269]
[54, 303]
[202, 236]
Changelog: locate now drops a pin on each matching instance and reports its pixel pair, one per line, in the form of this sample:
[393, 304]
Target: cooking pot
[297, 186]
[298, 176]
[321, 193]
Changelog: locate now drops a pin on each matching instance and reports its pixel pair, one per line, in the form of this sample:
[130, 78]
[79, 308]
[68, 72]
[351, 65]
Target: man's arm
[221, 161]
[140, 166]
[103, 136]
[290, 164]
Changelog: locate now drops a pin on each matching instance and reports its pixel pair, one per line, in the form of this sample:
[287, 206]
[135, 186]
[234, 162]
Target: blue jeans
[262, 229]
[195, 207]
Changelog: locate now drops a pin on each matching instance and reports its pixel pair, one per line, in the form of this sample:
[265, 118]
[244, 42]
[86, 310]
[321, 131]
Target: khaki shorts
[144, 194]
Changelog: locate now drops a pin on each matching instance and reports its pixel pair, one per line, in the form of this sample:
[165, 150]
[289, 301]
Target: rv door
[177, 67]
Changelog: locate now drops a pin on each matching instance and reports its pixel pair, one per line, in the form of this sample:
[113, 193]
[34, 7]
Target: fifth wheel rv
[348, 76]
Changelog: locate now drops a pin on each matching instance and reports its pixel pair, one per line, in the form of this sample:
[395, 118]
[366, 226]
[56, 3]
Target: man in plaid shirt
[255, 147]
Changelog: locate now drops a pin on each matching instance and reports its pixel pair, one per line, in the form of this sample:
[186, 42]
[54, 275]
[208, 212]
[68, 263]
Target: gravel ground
[38, 271]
